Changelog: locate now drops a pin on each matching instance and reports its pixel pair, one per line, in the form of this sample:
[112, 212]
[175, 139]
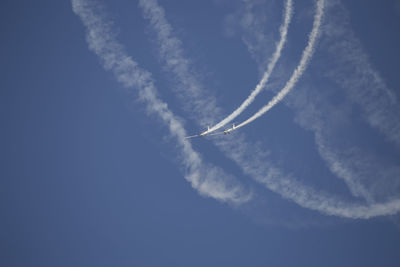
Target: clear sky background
[90, 176]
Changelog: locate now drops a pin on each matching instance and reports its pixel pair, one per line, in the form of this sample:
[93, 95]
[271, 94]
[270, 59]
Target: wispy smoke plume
[298, 72]
[249, 158]
[271, 65]
[209, 181]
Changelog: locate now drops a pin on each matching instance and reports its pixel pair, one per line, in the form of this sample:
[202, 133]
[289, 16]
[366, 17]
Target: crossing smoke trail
[366, 85]
[209, 181]
[283, 36]
[298, 72]
[349, 72]
[247, 156]
[172, 53]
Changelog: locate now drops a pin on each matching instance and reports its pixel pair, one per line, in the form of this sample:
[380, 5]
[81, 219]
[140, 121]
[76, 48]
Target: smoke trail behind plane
[207, 180]
[274, 59]
[298, 72]
[101, 41]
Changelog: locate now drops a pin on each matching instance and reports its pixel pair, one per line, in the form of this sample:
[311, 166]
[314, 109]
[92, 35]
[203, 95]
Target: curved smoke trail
[101, 41]
[271, 65]
[245, 155]
[298, 72]
[207, 180]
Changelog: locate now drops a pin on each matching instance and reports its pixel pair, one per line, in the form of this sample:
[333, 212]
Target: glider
[229, 130]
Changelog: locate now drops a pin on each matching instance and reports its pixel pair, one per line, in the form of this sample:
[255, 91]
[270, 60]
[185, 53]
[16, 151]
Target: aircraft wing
[192, 136]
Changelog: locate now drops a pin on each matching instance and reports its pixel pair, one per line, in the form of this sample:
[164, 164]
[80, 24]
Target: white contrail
[208, 180]
[257, 165]
[350, 73]
[253, 163]
[172, 53]
[365, 86]
[271, 65]
[173, 57]
[298, 72]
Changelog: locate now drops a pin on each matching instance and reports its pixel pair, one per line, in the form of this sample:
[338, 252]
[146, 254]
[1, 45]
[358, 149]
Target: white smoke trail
[298, 72]
[365, 86]
[172, 55]
[209, 181]
[346, 66]
[248, 157]
[271, 65]
[256, 165]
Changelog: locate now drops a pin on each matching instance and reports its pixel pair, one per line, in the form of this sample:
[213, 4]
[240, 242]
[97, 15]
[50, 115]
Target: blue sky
[96, 100]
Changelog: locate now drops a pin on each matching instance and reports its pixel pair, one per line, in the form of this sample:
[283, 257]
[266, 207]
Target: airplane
[205, 132]
[202, 134]
[229, 130]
